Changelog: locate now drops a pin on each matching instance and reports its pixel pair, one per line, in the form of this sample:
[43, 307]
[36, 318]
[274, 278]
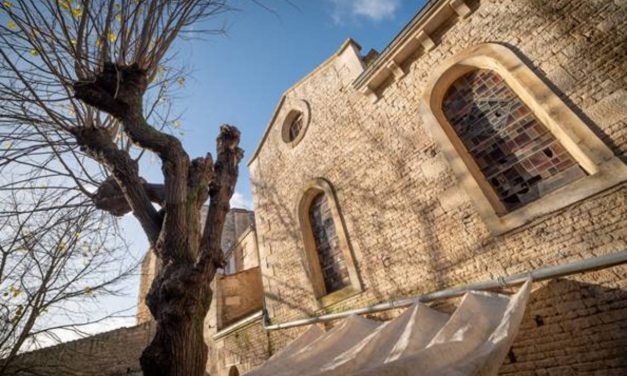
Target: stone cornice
[415, 35]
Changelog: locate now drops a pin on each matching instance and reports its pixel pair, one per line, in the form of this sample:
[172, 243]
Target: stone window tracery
[518, 156]
[294, 120]
[516, 149]
[295, 127]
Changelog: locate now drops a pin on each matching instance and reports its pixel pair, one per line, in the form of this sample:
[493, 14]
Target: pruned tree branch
[109, 196]
[220, 193]
[125, 171]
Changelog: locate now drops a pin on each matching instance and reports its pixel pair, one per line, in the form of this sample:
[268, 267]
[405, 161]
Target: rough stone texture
[236, 223]
[244, 349]
[149, 267]
[237, 296]
[108, 354]
[413, 230]
[573, 327]
[244, 252]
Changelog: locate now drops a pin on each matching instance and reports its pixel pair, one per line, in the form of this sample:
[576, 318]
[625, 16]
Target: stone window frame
[296, 107]
[604, 169]
[310, 191]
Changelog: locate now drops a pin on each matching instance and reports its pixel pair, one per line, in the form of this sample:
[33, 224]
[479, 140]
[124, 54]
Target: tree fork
[180, 296]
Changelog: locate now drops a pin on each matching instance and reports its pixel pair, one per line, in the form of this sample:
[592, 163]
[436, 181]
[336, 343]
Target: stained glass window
[332, 263]
[519, 157]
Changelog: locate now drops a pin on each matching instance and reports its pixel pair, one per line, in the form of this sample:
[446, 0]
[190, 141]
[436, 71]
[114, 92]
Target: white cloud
[373, 9]
[239, 200]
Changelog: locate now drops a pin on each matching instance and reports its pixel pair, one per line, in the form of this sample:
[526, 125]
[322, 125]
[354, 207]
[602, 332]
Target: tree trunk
[179, 299]
[180, 295]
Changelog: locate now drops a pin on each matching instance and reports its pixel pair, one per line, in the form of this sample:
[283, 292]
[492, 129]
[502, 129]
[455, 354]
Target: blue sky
[238, 78]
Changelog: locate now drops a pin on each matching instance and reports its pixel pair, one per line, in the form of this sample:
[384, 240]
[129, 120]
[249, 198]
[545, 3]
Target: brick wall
[245, 349]
[238, 295]
[413, 229]
[112, 353]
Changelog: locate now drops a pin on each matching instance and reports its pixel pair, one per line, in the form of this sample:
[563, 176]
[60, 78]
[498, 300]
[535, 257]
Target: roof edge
[397, 41]
[348, 42]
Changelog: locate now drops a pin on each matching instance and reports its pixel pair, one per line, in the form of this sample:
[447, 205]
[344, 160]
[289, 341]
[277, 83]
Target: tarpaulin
[473, 340]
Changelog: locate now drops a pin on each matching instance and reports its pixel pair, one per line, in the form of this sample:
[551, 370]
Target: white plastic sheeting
[474, 340]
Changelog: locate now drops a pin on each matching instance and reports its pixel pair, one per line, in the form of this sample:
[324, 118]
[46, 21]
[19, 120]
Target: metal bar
[541, 274]
[238, 325]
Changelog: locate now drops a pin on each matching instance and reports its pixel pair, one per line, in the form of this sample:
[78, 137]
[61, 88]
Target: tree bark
[179, 299]
[180, 296]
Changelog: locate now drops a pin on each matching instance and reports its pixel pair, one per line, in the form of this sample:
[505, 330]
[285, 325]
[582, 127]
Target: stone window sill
[338, 296]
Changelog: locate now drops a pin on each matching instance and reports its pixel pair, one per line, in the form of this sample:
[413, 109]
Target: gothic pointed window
[332, 263]
[519, 157]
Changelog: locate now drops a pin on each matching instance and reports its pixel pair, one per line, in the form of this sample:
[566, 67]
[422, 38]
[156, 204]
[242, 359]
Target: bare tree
[81, 83]
[50, 262]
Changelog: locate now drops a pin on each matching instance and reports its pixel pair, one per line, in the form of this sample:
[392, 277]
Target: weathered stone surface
[411, 228]
[108, 354]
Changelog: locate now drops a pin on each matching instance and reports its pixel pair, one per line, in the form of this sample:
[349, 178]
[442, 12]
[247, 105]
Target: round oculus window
[295, 122]
[295, 127]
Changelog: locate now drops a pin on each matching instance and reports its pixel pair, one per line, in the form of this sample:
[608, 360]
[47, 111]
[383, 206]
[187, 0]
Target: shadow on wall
[573, 328]
[286, 232]
[380, 207]
[581, 42]
[426, 260]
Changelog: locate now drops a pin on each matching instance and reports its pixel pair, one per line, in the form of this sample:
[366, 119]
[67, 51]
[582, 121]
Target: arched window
[233, 371]
[517, 150]
[328, 251]
[332, 263]
[517, 155]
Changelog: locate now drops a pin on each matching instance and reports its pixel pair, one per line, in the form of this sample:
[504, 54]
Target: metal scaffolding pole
[541, 274]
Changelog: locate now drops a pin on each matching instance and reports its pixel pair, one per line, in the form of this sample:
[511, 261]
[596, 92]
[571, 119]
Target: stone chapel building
[488, 138]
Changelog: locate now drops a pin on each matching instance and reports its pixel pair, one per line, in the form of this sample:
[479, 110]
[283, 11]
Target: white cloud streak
[239, 200]
[375, 10]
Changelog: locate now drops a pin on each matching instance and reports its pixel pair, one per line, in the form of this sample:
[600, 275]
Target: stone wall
[244, 350]
[244, 251]
[413, 229]
[148, 271]
[237, 295]
[112, 353]
[237, 224]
